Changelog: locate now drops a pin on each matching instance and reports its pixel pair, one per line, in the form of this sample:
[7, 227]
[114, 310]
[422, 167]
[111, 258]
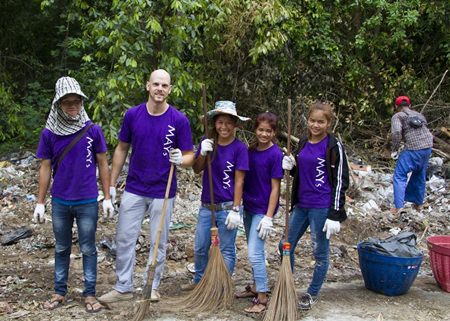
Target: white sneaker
[155, 296]
[115, 296]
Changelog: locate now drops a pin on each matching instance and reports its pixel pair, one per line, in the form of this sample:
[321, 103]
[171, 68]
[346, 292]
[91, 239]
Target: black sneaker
[307, 301]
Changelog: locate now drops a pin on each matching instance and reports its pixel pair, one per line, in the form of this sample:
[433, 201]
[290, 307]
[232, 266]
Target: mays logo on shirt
[89, 159]
[226, 180]
[320, 172]
[169, 140]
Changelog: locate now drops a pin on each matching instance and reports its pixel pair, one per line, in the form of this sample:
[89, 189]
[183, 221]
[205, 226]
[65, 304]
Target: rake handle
[287, 175]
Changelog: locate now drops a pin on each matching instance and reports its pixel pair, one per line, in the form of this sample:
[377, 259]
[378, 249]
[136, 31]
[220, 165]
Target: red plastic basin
[439, 251]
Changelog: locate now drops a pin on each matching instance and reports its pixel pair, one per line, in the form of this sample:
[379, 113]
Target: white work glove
[233, 220]
[331, 227]
[108, 208]
[39, 214]
[175, 156]
[112, 193]
[394, 155]
[206, 146]
[288, 162]
[265, 227]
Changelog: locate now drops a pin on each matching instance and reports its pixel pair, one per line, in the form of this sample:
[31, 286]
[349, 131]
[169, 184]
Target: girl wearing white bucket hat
[229, 162]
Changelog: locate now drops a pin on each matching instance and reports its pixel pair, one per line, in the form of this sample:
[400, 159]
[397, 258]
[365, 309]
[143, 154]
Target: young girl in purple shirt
[318, 195]
[261, 196]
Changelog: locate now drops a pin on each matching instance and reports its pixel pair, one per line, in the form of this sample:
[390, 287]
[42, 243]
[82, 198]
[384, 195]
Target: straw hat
[65, 86]
[225, 107]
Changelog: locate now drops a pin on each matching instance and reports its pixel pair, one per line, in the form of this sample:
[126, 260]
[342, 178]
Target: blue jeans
[202, 242]
[256, 254]
[415, 161]
[299, 221]
[86, 216]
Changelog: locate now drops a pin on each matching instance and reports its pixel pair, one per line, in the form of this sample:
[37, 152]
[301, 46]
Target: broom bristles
[215, 289]
[146, 294]
[141, 311]
[283, 304]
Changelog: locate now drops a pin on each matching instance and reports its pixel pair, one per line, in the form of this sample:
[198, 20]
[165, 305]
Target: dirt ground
[26, 268]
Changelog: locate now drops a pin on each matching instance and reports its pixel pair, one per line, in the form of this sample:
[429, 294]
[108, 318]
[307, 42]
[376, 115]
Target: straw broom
[283, 304]
[215, 289]
[146, 293]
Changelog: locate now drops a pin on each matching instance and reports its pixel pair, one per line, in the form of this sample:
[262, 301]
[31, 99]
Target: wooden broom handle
[287, 174]
[163, 214]
[208, 157]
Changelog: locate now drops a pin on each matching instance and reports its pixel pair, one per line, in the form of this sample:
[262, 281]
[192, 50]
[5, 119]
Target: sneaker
[115, 296]
[188, 287]
[155, 296]
[307, 301]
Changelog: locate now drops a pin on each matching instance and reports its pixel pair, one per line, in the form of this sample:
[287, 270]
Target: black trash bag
[14, 236]
[110, 245]
[400, 245]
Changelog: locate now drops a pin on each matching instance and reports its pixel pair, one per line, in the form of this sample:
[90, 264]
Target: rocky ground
[26, 267]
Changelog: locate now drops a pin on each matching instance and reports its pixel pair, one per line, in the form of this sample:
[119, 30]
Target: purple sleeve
[125, 130]
[277, 169]
[242, 158]
[184, 138]
[99, 141]
[44, 150]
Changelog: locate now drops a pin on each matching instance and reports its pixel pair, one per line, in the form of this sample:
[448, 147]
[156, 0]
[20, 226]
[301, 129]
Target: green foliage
[10, 124]
[358, 54]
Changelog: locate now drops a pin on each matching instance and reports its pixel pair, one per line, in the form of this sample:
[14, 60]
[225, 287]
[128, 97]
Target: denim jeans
[416, 162]
[202, 241]
[256, 254]
[86, 216]
[299, 221]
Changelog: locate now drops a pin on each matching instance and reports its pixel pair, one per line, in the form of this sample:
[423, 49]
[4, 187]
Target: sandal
[55, 302]
[247, 293]
[257, 307]
[92, 305]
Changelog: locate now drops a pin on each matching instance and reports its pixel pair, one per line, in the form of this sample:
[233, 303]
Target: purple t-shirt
[75, 178]
[315, 189]
[226, 160]
[151, 138]
[264, 165]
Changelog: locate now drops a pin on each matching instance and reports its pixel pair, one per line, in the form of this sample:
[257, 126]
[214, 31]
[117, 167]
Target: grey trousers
[131, 214]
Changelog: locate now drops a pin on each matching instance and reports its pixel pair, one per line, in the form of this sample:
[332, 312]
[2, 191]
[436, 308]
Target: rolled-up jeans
[202, 243]
[86, 216]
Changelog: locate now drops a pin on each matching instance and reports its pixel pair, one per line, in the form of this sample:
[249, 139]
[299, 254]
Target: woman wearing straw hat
[229, 163]
[71, 147]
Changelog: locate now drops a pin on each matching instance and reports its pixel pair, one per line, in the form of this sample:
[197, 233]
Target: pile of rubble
[26, 262]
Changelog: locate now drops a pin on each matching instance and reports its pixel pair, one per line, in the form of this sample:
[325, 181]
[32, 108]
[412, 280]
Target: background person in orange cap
[410, 127]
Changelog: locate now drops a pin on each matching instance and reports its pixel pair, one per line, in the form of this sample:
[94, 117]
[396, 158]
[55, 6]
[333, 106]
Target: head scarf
[59, 122]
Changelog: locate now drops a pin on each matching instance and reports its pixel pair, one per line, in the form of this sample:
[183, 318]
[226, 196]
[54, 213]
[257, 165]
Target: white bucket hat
[225, 107]
[65, 86]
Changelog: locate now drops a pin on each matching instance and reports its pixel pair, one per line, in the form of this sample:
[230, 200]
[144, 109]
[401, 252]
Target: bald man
[158, 135]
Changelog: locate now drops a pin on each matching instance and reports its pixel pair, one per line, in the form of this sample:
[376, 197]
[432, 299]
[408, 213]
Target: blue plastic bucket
[388, 275]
